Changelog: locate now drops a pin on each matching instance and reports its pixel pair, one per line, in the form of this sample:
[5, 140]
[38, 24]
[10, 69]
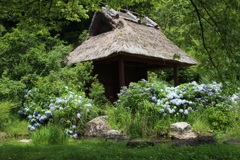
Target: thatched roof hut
[132, 46]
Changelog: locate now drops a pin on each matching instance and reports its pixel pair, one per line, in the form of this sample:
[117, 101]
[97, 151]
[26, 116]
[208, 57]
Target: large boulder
[97, 127]
[181, 130]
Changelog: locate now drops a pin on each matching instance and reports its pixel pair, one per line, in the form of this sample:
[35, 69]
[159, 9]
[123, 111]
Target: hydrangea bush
[68, 108]
[182, 100]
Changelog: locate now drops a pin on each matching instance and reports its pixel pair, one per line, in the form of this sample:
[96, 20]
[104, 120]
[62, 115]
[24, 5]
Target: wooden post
[175, 70]
[121, 72]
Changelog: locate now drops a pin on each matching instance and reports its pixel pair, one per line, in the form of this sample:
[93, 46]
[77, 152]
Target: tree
[209, 31]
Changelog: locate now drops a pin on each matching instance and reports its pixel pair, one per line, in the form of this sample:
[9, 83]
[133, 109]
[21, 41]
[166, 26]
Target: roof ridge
[128, 15]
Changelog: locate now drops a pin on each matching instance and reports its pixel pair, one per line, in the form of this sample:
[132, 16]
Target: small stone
[181, 130]
[113, 132]
[210, 131]
[3, 134]
[25, 140]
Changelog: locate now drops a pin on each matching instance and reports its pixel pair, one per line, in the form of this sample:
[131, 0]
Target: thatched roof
[113, 33]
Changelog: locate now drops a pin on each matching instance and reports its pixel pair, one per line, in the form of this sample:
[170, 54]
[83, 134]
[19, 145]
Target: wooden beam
[150, 60]
[175, 70]
[121, 72]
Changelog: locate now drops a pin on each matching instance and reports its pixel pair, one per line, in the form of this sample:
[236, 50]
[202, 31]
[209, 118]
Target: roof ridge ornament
[149, 22]
[134, 17]
[114, 13]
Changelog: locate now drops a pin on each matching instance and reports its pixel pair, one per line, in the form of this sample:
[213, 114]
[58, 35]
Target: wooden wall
[108, 75]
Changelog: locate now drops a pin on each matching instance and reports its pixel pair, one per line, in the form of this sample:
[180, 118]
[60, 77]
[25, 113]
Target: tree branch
[214, 26]
[203, 38]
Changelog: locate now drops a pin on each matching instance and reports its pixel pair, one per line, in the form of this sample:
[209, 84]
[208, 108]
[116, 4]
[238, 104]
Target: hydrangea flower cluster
[72, 132]
[69, 106]
[189, 97]
[175, 101]
[135, 93]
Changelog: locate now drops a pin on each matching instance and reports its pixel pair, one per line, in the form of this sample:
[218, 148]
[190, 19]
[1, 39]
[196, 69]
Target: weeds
[50, 134]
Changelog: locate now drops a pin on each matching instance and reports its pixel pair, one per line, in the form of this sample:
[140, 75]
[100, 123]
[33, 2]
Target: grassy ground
[86, 149]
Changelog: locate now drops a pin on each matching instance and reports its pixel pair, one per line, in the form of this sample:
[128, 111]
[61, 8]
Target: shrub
[136, 93]
[97, 94]
[62, 106]
[150, 103]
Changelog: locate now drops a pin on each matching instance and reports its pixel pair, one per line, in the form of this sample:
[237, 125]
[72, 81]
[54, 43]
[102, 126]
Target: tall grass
[51, 134]
[15, 128]
[5, 111]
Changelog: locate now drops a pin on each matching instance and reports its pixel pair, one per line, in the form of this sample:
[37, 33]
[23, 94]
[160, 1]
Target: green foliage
[147, 122]
[14, 127]
[218, 117]
[77, 77]
[5, 112]
[119, 117]
[10, 89]
[185, 75]
[49, 135]
[97, 94]
[24, 53]
[83, 36]
[45, 15]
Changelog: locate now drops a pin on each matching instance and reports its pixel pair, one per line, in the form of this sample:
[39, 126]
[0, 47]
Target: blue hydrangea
[88, 105]
[78, 115]
[185, 112]
[35, 113]
[180, 110]
[30, 116]
[75, 136]
[69, 132]
[20, 112]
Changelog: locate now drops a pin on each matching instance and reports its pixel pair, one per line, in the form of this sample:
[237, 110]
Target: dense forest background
[36, 35]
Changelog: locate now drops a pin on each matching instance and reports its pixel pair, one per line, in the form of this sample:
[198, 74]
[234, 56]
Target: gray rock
[143, 143]
[181, 130]
[232, 141]
[194, 141]
[177, 142]
[113, 132]
[116, 135]
[97, 127]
